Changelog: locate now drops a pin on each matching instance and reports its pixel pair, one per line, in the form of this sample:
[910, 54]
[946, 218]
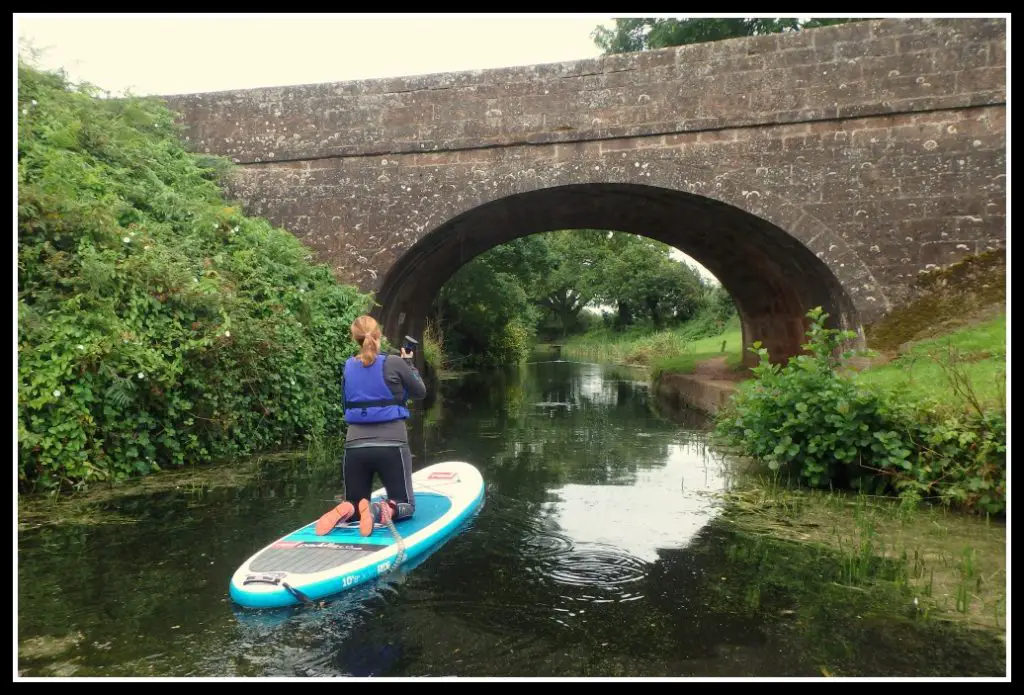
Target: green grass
[648, 347]
[921, 372]
[954, 564]
[703, 349]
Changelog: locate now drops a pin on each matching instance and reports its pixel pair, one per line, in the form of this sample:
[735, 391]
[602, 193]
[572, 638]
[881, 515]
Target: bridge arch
[877, 146]
[772, 276]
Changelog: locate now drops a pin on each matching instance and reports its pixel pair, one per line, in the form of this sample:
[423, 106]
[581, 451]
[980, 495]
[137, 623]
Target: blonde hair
[366, 332]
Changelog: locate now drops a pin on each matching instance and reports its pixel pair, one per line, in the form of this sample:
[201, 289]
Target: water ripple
[536, 538]
[596, 567]
[546, 544]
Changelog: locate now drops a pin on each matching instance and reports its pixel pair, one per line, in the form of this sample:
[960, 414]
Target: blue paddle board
[303, 566]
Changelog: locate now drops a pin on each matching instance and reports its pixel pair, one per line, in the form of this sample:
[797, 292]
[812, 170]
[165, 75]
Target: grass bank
[677, 349]
[954, 325]
[947, 346]
[725, 345]
[920, 370]
[923, 370]
[814, 419]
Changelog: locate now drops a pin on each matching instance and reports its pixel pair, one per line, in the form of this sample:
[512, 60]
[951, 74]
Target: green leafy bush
[810, 418]
[961, 458]
[157, 325]
[511, 345]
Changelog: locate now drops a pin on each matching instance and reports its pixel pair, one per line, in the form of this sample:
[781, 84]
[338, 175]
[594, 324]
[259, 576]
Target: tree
[640, 34]
[485, 311]
[497, 302]
[569, 283]
[638, 276]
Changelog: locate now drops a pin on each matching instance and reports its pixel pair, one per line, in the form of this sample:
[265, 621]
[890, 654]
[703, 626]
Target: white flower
[293, 382]
[234, 229]
[141, 375]
[227, 334]
[195, 279]
[126, 240]
[146, 248]
[215, 225]
[35, 103]
[24, 112]
[81, 347]
[56, 393]
[302, 291]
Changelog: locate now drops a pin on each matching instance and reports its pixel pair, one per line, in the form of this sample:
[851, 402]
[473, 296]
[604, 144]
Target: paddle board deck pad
[304, 566]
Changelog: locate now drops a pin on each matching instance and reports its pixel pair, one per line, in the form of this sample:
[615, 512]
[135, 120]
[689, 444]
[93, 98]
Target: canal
[604, 548]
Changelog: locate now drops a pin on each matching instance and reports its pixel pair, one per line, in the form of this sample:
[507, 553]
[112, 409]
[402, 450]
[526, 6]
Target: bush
[809, 418]
[511, 346]
[961, 458]
[434, 347]
[157, 325]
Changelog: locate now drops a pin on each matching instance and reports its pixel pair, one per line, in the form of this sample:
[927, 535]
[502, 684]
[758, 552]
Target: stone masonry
[829, 166]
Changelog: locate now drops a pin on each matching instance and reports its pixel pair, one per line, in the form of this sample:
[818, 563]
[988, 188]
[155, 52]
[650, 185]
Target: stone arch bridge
[825, 167]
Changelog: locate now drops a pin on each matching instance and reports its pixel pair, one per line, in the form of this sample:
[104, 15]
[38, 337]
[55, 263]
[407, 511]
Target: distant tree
[541, 283]
[639, 277]
[569, 281]
[640, 34]
[477, 308]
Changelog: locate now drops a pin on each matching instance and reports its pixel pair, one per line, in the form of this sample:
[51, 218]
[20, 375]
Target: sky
[173, 54]
[156, 54]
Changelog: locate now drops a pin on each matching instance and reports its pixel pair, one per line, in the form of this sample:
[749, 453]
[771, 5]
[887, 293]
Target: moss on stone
[945, 299]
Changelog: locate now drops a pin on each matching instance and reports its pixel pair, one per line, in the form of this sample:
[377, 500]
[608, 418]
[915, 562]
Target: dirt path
[716, 369]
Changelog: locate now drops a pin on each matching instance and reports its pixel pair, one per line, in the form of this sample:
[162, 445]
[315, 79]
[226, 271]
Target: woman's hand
[405, 354]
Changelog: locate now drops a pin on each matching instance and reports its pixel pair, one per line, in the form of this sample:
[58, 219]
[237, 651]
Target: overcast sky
[181, 53]
[170, 54]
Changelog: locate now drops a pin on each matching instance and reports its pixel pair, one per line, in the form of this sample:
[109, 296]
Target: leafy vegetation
[541, 286]
[157, 325]
[639, 34]
[815, 418]
[484, 310]
[433, 348]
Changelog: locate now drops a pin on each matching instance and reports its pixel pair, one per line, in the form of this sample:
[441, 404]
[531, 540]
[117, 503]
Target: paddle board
[304, 566]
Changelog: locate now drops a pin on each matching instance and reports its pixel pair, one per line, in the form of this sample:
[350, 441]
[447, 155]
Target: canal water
[601, 550]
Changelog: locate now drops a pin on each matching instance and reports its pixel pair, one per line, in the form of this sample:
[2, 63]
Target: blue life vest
[367, 396]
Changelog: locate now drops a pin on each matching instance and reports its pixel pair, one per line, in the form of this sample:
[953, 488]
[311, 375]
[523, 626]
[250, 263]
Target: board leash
[298, 594]
[399, 542]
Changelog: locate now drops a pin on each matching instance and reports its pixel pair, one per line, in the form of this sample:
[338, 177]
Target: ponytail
[369, 350]
[366, 332]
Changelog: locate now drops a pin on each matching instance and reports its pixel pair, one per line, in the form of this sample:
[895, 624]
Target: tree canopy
[543, 284]
[640, 34]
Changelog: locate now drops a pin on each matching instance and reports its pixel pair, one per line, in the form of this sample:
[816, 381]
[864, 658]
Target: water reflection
[665, 506]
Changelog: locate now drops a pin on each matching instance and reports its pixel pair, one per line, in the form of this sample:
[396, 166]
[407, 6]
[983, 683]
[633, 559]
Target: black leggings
[394, 466]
